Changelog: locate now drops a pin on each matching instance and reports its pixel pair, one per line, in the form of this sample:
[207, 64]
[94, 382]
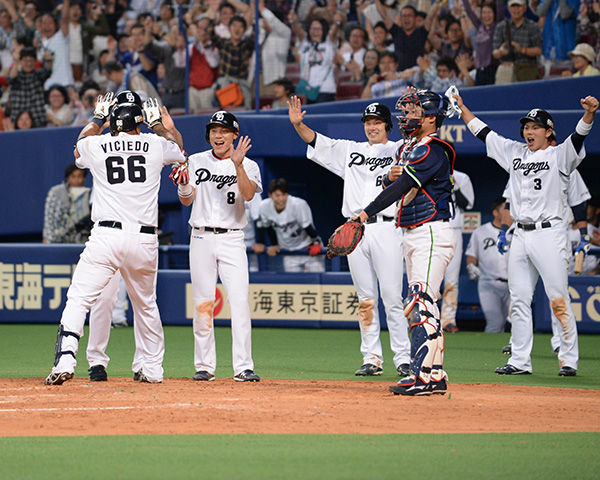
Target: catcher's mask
[413, 108]
[125, 118]
[224, 119]
[127, 96]
[380, 111]
[539, 116]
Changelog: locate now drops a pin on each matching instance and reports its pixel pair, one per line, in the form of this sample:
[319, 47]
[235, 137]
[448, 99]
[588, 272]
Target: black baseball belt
[379, 218]
[533, 226]
[217, 230]
[119, 226]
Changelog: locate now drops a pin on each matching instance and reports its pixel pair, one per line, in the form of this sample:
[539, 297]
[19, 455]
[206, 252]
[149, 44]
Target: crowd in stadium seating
[55, 58]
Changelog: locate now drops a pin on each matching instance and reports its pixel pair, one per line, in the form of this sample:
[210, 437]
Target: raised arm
[384, 15]
[246, 186]
[296, 117]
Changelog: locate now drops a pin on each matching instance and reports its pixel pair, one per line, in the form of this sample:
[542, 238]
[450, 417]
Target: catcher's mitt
[345, 239]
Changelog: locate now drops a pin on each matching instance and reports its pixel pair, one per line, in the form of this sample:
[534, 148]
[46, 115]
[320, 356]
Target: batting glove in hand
[180, 173]
[104, 106]
[151, 111]
[583, 245]
[502, 243]
[473, 271]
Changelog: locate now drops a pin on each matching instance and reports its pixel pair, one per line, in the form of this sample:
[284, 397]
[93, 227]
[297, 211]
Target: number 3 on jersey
[115, 170]
[537, 183]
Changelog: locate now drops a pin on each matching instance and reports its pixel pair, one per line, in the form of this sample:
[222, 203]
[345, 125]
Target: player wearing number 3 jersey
[126, 166]
[539, 177]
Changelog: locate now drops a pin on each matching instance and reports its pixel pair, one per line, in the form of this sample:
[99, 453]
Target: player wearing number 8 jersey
[126, 166]
[222, 179]
[539, 176]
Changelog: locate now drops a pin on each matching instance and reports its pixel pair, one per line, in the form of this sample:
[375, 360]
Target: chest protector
[417, 205]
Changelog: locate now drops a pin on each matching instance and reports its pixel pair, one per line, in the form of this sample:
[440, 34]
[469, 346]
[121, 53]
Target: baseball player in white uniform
[464, 199]
[378, 259]
[490, 268]
[288, 221]
[222, 179]
[539, 175]
[252, 215]
[126, 166]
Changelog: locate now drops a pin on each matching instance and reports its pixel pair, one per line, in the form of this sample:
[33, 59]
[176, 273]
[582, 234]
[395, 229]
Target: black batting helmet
[127, 96]
[431, 103]
[379, 110]
[125, 117]
[224, 119]
[539, 116]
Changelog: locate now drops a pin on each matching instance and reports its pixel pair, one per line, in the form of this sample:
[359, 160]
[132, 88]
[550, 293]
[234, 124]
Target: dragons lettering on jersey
[529, 167]
[204, 175]
[358, 159]
[125, 146]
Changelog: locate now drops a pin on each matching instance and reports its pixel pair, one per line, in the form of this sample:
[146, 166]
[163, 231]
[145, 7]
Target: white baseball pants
[533, 253]
[451, 278]
[222, 255]
[378, 259]
[494, 298]
[135, 254]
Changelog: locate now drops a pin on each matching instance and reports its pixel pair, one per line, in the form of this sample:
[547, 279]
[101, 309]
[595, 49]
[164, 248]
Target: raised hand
[238, 154]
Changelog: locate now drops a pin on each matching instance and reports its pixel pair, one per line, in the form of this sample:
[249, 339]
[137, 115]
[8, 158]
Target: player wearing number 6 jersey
[379, 256]
[539, 176]
[221, 181]
[126, 166]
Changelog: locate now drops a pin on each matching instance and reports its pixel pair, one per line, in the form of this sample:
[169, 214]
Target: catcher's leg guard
[423, 349]
[70, 346]
[416, 294]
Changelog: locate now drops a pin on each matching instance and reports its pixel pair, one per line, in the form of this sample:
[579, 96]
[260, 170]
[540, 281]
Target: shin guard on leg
[60, 338]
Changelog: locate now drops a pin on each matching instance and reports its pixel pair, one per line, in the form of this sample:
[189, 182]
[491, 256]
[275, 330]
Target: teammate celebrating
[421, 182]
[378, 257]
[126, 167]
[224, 179]
[539, 176]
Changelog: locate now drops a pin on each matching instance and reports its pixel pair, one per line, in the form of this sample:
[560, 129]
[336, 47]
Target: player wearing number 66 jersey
[539, 176]
[126, 166]
[221, 181]
[379, 256]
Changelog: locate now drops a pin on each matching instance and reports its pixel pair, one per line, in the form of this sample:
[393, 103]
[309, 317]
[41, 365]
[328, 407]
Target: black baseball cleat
[451, 328]
[58, 378]
[411, 386]
[509, 369]
[137, 376]
[98, 373]
[203, 376]
[507, 349]
[403, 370]
[368, 370]
[247, 376]
[567, 372]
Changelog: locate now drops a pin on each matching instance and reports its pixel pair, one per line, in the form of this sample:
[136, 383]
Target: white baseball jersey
[252, 215]
[538, 180]
[482, 246]
[212, 177]
[289, 224]
[126, 170]
[362, 166]
[463, 183]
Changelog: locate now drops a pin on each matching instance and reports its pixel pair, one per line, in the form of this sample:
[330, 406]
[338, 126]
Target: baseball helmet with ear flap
[127, 96]
[379, 110]
[539, 116]
[125, 118]
[224, 119]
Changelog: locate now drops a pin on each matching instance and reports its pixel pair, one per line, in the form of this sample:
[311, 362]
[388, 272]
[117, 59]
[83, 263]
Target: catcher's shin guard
[423, 349]
[417, 297]
[72, 347]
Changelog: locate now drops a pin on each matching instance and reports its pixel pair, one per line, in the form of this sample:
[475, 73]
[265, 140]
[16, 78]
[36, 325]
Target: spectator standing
[316, 51]
[137, 59]
[589, 23]
[409, 40]
[275, 44]
[560, 26]
[487, 266]
[55, 46]
[388, 82]
[517, 44]
[235, 54]
[373, 15]
[289, 222]
[119, 80]
[204, 63]
[485, 26]
[583, 56]
[351, 54]
[379, 39]
[8, 35]
[76, 52]
[454, 45]
[27, 86]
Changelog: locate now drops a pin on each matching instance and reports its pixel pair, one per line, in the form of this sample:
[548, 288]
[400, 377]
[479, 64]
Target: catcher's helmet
[379, 110]
[539, 116]
[125, 117]
[431, 103]
[224, 119]
[127, 96]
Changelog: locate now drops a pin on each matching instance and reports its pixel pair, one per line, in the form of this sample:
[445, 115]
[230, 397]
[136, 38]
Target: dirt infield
[183, 406]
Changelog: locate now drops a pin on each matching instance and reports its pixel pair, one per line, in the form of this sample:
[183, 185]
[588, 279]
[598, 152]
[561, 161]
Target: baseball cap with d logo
[539, 116]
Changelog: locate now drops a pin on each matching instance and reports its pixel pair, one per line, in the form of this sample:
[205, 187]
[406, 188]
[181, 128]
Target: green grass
[479, 456]
[27, 351]
[470, 357]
